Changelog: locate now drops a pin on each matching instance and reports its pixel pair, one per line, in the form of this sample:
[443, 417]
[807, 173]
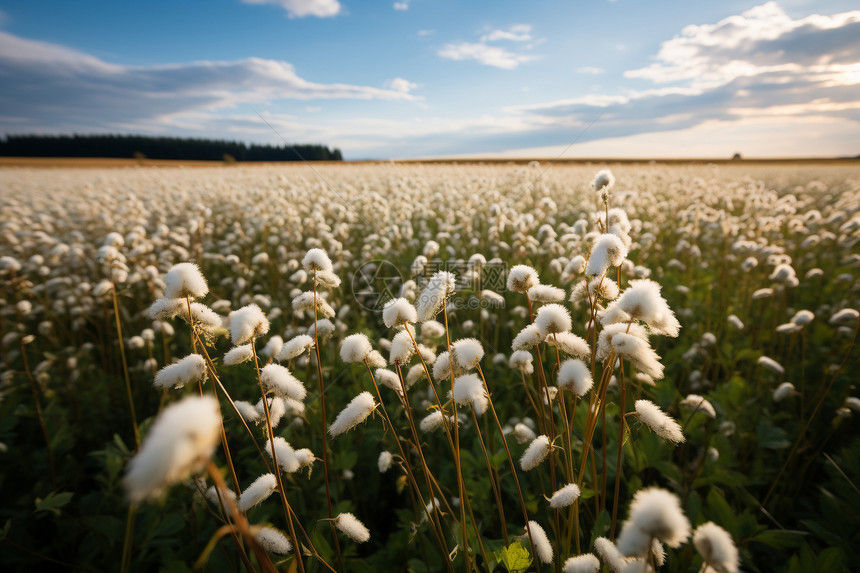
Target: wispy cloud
[50, 86]
[516, 33]
[303, 8]
[400, 85]
[402, 6]
[484, 54]
[590, 70]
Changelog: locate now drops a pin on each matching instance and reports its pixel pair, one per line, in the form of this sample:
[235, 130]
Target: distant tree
[736, 157]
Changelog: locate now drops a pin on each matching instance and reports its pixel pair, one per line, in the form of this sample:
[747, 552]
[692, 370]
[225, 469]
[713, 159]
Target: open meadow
[430, 368]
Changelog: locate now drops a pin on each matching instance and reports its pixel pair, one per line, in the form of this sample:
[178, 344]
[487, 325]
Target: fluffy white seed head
[273, 541]
[316, 260]
[166, 308]
[609, 554]
[699, 404]
[350, 526]
[287, 459]
[355, 348]
[658, 513]
[586, 563]
[608, 251]
[247, 323]
[523, 433]
[257, 492]
[642, 301]
[543, 547]
[521, 278]
[660, 423]
[469, 391]
[545, 293]
[535, 453]
[603, 179]
[435, 421]
[402, 348]
[355, 413]
[238, 355]
[185, 280]
[190, 369]
[431, 300]
[384, 462]
[398, 312]
[281, 382]
[522, 360]
[735, 322]
[295, 347]
[716, 547]
[467, 352]
[565, 496]
[570, 344]
[432, 329]
[323, 328]
[844, 316]
[783, 391]
[551, 319]
[273, 346]
[639, 353]
[178, 444]
[771, 365]
[527, 338]
[247, 410]
[575, 375]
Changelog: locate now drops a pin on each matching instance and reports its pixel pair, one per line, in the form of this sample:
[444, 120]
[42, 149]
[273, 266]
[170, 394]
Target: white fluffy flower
[238, 355]
[257, 492]
[574, 374]
[190, 369]
[610, 555]
[432, 329]
[522, 360]
[535, 453]
[521, 278]
[551, 319]
[287, 459]
[316, 260]
[273, 541]
[608, 251]
[545, 293]
[469, 391]
[661, 424]
[355, 348]
[358, 409]
[770, 364]
[431, 300]
[527, 338]
[398, 312]
[604, 178]
[185, 280]
[541, 542]
[295, 347]
[281, 382]
[565, 496]
[642, 301]
[639, 353]
[783, 391]
[467, 352]
[570, 344]
[384, 462]
[179, 443]
[657, 513]
[247, 323]
[699, 404]
[716, 547]
[523, 433]
[586, 563]
[434, 421]
[350, 526]
[402, 348]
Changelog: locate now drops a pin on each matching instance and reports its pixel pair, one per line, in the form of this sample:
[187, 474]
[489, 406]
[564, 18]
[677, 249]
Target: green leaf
[780, 538]
[771, 437]
[514, 557]
[54, 501]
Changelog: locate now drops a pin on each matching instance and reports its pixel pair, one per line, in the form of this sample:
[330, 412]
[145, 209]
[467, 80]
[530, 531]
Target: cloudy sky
[421, 78]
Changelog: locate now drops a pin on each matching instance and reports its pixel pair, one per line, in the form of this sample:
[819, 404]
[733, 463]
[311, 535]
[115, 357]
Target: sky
[439, 78]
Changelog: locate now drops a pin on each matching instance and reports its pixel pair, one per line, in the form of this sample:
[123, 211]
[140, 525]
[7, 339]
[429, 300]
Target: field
[617, 361]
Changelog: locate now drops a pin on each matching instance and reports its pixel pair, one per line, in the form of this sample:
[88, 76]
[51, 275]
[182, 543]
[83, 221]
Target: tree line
[140, 146]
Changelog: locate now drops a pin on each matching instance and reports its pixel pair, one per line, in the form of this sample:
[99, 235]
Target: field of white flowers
[430, 368]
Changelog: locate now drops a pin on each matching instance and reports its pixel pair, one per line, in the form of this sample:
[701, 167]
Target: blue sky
[420, 78]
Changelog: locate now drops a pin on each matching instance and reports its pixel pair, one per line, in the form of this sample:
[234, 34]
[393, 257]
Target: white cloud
[426, 32]
[402, 5]
[590, 70]
[303, 8]
[484, 54]
[516, 33]
[400, 85]
[53, 87]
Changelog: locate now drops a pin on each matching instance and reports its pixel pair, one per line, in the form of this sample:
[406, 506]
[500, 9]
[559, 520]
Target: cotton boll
[398, 312]
[522, 360]
[432, 329]
[469, 391]
[402, 348]
[467, 352]
[185, 280]
[273, 346]
[570, 344]
[608, 251]
[545, 293]
[295, 347]
[552, 318]
[178, 444]
[521, 278]
[527, 338]
[316, 260]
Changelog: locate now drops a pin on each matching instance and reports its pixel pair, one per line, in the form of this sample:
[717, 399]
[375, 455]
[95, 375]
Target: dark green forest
[139, 146]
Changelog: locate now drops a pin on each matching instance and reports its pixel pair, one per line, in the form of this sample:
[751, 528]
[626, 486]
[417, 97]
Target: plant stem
[125, 369]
